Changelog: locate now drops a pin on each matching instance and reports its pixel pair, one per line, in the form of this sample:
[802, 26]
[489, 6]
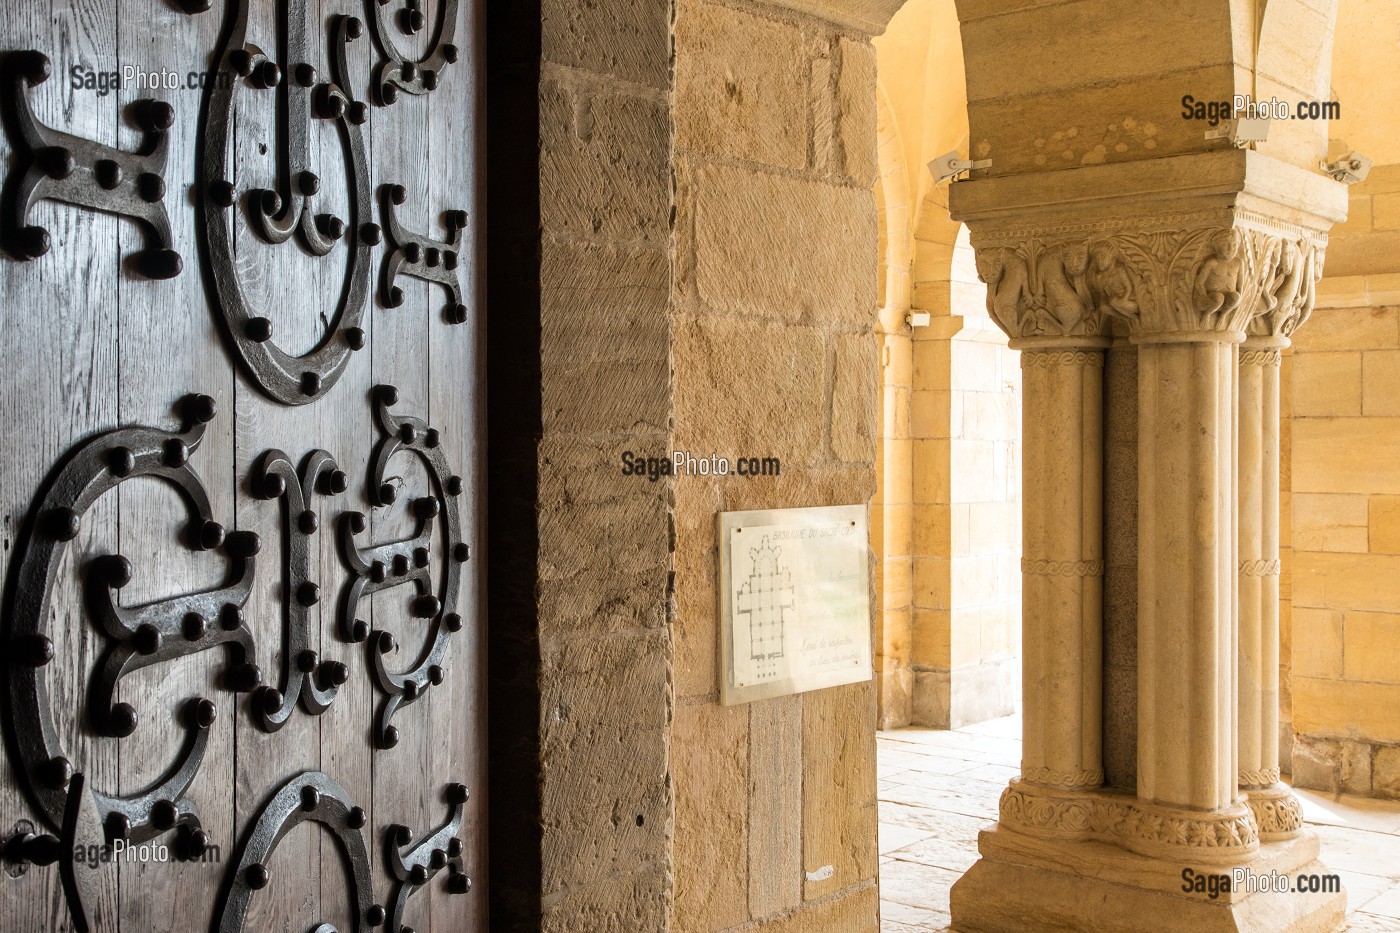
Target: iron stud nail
[402, 835]
[194, 6]
[358, 113]
[175, 453]
[194, 627]
[308, 594]
[259, 329]
[147, 639]
[230, 617]
[121, 722]
[431, 438]
[274, 486]
[438, 859]
[56, 161]
[408, 70]
[64, 523]
[458, 794]
[307, 522]
[211, 535]
[310, 384]
[355, 819]
[308, 661]
[305, 74]
[454, 848]
[33, 242]
[154, 116]
[354, 27]
[331, 226]
[400, 565]
[419, 875]
[121, 461]
[357, 522]
[204, 712]
[240, 61]
[56, 773]
[117, 825]
[426, 507]
[461, 553]
[435, 675]
[389, 93]
[115, 570]
[398, 194]
[164, 815]
[388, 395]
[454, 485]
[375, 915]
[427, 606]
[430, 79]
[159, 263]
[449, 259]
[412, 691]
[150, 186]
[310, 798]
[359, 631]
[108, 174]
[223, 193]
[450, 53]
[256, 877]
[337, 482]
[371, 234]
[413, 252]
[267, 74]
[269, 202]
[200, 408]
[387, 493]
[395, 298]
[378, 572]
[459, 884]
[386, 642]
[355, 337]
[391, 737]
[333, 674]
[34, 649]
[243, 544]
[453, 622]
[33, 66]
[269, 699]
[308, 183]
[458, 314]
[421, 557]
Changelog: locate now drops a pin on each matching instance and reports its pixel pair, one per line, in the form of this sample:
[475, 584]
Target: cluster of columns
[1207, 297]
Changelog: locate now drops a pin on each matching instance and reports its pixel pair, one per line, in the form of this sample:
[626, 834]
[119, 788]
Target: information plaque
[794, 596]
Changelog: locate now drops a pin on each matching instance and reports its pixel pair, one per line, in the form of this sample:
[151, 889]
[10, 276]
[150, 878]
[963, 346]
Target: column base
[1024, 883]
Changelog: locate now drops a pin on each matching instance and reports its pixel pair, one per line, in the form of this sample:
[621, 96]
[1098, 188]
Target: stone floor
[937, 788]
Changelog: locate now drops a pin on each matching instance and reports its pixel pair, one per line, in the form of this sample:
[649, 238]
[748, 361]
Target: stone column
[1062, 560]
[1186, 569]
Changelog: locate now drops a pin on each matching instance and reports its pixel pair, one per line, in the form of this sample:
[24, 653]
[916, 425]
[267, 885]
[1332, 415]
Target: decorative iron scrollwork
[399, 72]
[280, 215]
[141, 636]
[413, 866]
[58, 166]
[305, 675]
[312, 796]
[379, 567]
[80, 833]
[421, 257]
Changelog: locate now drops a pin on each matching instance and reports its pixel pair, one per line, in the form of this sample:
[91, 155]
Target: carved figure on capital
[1039, 290]
[1219, 282]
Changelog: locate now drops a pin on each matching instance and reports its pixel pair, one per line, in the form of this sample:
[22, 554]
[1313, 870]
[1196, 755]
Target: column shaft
[1187, 572]
[1062, 565]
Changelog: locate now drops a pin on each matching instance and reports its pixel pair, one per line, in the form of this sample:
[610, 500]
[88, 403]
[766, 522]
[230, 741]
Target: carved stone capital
[1276, 810]
[1201, 277]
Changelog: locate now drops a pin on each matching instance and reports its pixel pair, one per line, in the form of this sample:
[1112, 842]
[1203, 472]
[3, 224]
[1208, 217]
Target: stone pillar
[1069, 262]
[1186, 572]
[1062, 560]
[1288, 301]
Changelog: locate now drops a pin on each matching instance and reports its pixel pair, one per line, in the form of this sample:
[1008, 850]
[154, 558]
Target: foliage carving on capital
[1207, 278]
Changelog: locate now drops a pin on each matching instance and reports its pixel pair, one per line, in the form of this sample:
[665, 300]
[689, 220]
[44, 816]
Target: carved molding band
[1048, 359]
[1084, 778]
[1260, 357]
[1205, 276]
[1062, 568]
[1226, 836]
[1261, 568]
[1277, 811]
[1260, 777]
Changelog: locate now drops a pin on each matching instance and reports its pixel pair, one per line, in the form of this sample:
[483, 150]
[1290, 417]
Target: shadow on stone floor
[937, 788]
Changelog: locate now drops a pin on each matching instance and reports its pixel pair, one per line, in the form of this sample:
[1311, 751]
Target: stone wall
[775, 356]
[1342, 557]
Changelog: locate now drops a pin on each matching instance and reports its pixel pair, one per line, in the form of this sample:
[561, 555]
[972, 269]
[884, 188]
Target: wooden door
[241, 359]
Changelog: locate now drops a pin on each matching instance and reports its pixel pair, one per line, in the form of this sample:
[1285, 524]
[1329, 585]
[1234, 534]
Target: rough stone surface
[838, 742]
[604, 163]
[854, 399]
[783, 247]
[711, 766]
[740, 85]
[856, 104]
[630, 41]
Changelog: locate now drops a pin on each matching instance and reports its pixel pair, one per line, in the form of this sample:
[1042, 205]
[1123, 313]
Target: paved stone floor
[937, 788]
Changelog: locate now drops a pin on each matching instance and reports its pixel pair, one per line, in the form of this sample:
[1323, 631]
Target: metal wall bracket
[305, 676]
[57, 166]
[93, 469]
[413, 866]
[399, 72]
[278, 215]
[421, 257]
[310, 796]
[409, 561]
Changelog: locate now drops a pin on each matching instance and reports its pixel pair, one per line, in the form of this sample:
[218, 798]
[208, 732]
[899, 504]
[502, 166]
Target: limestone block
[710, 765]
[896, 628]
[1346, 708]
[853, 911]
[933, 639]
[1325, 522]
[1316, 763]
[1358, 217]
[1371, 647]
[605, 711]
[625, 903]
[838, 789]
[856, 102]
[740, 89]
[630, 41]
[1385, 211]
[784, 247]
[1380, 383]
[1385, 524]
[1385, 772]
[605, 166]
[898, 526]
[1144, 45]
[894, 411]
[1346, 455]
[1318, 634]
[932, 583]
[931, 413]
[896, 588]
[854, 395]
[605, 338]
[1326, 384]
[933, 530]
[698, 499]
[1349, 329]
[775, 805]
[826, 160]
[738, 385]
[932, 465]
[1367, 582]
[931, 699]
